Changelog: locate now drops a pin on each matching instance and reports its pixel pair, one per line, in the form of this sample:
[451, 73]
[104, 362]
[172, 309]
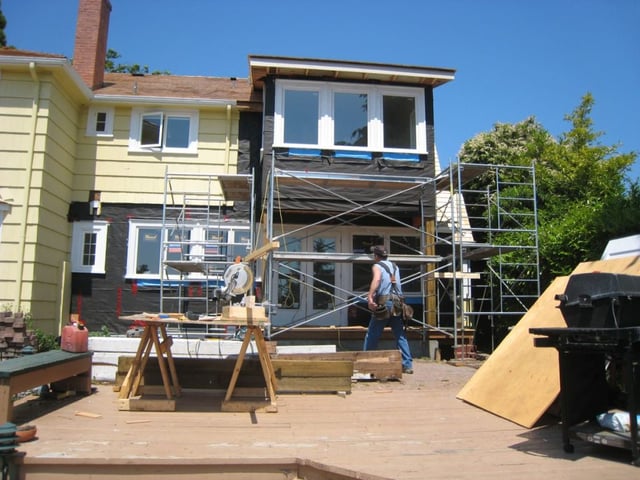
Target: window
[146, 246]
[324, 274]
[168, 131]
[399, 245]
[302, 117]
[289, 277]
[340, 116]
[399, 120]
[100, 122]
[5, 209]
[350, 119]
[89, 247]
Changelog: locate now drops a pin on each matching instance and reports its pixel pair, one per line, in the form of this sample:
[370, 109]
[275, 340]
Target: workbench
[154, 337]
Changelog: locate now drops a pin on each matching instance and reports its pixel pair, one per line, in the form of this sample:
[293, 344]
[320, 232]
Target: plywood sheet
[626, 265]
[519, 381]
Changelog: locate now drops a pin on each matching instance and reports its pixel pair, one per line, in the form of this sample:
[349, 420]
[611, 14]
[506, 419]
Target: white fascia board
[140, 100]
[372, 69]
[51, 63]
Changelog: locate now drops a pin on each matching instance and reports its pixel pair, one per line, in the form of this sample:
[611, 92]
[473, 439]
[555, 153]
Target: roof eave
[260, 66]
[62, 63]
[145, 100]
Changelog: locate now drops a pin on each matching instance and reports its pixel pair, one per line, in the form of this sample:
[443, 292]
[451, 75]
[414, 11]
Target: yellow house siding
[16, 100]
[122, 176]
[54, 231]
[46, 234]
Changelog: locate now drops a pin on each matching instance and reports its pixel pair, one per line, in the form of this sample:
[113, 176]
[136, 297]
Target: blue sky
[514, 58]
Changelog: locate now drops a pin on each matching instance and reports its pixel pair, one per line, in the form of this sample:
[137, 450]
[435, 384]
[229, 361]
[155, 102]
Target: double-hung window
[340, 116]
[89, 247]
[167, 131]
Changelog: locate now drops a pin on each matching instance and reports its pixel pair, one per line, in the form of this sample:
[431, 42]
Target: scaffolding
[199, 241]
[488, 228]
[388, 189]
[477, 259]
[476, 254]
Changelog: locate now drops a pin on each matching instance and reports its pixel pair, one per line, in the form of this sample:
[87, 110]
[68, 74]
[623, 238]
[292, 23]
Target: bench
[23, 373]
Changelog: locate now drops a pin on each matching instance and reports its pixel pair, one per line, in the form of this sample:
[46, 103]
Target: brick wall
[92, 31]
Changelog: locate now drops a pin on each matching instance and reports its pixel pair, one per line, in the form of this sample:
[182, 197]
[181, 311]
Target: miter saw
[238, 279]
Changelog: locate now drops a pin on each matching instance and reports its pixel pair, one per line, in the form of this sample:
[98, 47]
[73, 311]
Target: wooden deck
[411, 429]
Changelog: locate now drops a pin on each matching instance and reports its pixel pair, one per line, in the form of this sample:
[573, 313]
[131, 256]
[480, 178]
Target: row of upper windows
[307, 114]
[330, 115]
[169, 131]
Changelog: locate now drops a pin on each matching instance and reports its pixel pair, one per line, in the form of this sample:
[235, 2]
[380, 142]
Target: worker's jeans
[374, 333]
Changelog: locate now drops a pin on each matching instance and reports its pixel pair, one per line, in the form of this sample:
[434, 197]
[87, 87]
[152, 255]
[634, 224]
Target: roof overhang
[177, 101]
[55, 64]
[337, 70]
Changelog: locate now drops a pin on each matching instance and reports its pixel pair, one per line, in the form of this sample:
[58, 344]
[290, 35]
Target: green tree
[110, 65]
[584, 197]
[3, 24]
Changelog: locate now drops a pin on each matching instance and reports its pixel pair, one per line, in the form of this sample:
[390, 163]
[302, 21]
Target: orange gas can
[74, 339]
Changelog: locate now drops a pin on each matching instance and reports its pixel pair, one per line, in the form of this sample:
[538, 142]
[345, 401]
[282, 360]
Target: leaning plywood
[626, 265]
[519, 381]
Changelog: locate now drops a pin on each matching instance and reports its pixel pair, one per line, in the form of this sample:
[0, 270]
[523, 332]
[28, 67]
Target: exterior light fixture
[95, 207]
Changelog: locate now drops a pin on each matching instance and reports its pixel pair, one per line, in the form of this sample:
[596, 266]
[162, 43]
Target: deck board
[413, 429]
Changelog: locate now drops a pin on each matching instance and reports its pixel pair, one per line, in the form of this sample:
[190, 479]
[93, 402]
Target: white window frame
[375, 114]
[100, 228]
[92, 121]
[5, 209]
[135, 130]
[196, 244]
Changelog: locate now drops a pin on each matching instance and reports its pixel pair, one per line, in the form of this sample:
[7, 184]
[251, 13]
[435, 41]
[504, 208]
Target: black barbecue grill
[599, 356]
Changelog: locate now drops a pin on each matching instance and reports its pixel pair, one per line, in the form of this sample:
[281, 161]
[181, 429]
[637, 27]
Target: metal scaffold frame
[452, 243]
[449, 247]
[195, 246]
[386, 188]
[491, 215]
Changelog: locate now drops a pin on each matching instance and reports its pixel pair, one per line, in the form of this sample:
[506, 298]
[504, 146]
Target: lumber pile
[295, 372]
[371, 365]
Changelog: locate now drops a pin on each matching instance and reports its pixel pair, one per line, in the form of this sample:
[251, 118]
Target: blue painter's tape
[350, 154]
[406, 157]
[304, 152]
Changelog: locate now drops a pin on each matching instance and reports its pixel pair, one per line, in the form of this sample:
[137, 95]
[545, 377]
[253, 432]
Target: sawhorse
[268, 402]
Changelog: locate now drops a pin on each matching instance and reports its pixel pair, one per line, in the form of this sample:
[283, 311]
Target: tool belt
[382, 312]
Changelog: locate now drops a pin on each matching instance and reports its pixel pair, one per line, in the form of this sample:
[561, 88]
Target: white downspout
[35, 106]
[227, 145]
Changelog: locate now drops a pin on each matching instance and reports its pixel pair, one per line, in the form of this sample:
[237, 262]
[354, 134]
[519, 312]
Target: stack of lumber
[295, 372]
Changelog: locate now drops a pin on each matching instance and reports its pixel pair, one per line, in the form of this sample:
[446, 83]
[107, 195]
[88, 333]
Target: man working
[380, 296]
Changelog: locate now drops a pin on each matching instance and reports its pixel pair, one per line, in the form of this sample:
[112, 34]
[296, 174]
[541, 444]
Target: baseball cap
[379, 250]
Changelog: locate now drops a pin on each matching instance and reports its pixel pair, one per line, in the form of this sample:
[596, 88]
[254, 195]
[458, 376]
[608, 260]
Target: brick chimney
[91, 41]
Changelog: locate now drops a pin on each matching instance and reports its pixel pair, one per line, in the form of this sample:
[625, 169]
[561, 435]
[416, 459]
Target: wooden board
[520, 381]
[372, 364]
[142, 404]
[294, 375]
[626, 265]
[233, 315]
[311, 368]
[314, 385]
[313, 376]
